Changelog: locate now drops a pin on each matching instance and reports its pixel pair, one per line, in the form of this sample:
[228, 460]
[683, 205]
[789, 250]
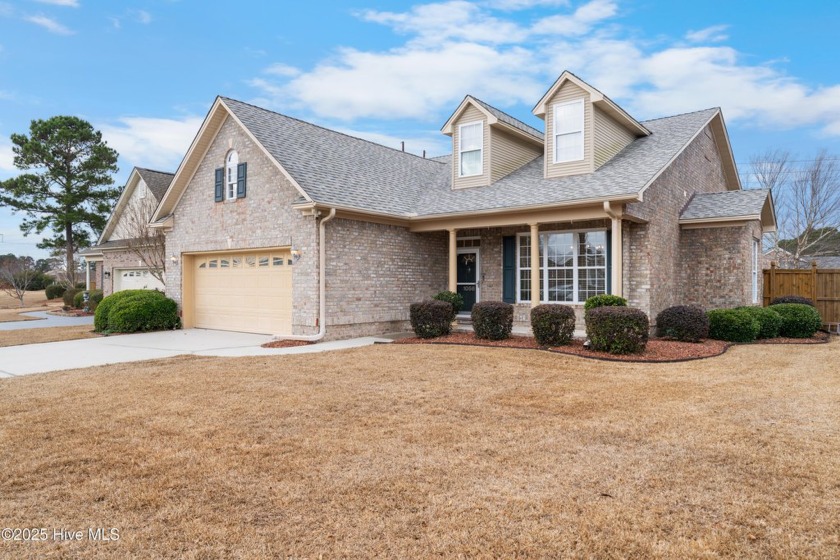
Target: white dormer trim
[469, 101]
[579, 155]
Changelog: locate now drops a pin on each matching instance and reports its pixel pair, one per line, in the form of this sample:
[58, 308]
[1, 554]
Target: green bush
[604, 300]
[69, 296]
[687, 323]
[40, 281]
[492, 320]
[431, 318]
[456, 300]
[79, 299]
[136, 311]
[733, 325]
[617, 330]
[769, 321]
[792, 299]
[798, 320]
[54, 291]
[553, 324]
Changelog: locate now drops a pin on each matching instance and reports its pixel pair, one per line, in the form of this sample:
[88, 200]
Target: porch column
[616, 257]
[536, 265]
[87, 275]
[453, 260]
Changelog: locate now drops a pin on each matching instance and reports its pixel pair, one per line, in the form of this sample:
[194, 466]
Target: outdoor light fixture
[107, 274]
[174, 259]
[296, 254]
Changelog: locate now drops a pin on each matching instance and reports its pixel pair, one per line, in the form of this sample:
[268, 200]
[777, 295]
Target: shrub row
[136, 311]
[55, 291]
[745, 324]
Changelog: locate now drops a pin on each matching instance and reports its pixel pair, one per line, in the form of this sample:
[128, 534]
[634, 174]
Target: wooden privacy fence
[821, 285]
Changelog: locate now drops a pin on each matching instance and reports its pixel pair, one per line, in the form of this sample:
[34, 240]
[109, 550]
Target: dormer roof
[495, 117]
[598, 99]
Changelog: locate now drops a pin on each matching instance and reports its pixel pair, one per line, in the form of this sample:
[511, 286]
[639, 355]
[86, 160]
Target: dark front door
[468, 278]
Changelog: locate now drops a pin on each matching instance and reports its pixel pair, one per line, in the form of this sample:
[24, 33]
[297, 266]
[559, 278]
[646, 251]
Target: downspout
[322, 285]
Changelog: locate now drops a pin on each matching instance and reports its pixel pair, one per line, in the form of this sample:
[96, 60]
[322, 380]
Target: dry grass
[431, 451]
[32, 301]
[48, 334]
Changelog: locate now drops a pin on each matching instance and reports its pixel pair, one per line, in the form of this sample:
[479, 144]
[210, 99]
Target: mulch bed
[70, 313]
[285, 343]
[657, 350]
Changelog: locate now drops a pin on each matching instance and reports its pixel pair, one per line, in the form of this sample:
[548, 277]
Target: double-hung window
[568, 131]
[231, 164]
[470, 149]
[572, 267]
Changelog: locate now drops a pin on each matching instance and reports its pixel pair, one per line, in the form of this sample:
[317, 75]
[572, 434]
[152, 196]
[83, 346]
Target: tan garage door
[249, 292]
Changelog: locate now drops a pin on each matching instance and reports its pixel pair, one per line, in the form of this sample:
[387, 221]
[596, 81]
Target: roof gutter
[322, 285]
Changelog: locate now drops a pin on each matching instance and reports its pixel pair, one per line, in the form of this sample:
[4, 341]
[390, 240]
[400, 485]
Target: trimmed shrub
[492, 320]
[617, 330]
[69, 296]
[79, 299]
[553, 324]
[604, 300]
[136, 311]
[431, 318]
[456, 300]
[687, 323]
[798, 320]
[54, 291]
[733, 325]
[769, 321]
[792, 299]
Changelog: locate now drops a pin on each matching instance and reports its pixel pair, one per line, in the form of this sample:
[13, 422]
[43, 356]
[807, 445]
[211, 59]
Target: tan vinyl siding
[470, 115]
[569, 92]
[508, 154]
[610, 137]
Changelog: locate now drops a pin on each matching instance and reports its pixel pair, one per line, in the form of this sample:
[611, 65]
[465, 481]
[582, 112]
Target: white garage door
[250, 292]
[135, 280]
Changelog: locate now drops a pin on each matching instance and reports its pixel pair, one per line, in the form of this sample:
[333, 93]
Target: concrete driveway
[46, 321]
[52, 356]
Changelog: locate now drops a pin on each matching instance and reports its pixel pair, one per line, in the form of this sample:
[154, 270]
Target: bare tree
[16, 275]
[807, 204]
[148, 244]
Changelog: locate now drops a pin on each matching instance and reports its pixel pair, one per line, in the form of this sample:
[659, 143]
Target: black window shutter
[509, 269]
[220, 184]
[241, 177]
[609, 262]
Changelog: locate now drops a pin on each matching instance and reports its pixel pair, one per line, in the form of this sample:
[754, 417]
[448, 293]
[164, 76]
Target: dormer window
[230, 174]
[568, 131]
[470, 149]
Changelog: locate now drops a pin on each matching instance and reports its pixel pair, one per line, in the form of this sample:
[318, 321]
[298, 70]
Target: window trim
[461, 151]
[230, 175]
[582, 130]
[755, 266]
[576, 268]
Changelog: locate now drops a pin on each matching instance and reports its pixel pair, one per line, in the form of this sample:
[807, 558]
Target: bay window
[572, 267]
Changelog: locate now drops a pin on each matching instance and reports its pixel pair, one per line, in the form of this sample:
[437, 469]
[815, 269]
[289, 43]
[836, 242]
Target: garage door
[135, 280]
[250, 292]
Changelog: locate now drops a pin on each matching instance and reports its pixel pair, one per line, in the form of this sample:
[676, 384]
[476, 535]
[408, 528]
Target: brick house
[280, 226]
[113, 264]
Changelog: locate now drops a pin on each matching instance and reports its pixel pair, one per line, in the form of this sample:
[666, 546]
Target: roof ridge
[324, 128]
[681, 114]
[494, 108]
[153, 170]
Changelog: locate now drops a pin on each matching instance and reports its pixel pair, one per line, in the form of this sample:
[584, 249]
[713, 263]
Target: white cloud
[513, 5]
[6, 156]
[67, 3]
[151, 142]
[452, 48]
[713, 34]
[142, 16]
[50, 25]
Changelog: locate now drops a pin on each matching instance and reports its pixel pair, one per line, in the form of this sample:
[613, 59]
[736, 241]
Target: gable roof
[597, 98]
[157, 183]
[494, 117]
[753, 204]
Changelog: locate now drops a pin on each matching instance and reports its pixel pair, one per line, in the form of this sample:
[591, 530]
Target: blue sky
[146, 72]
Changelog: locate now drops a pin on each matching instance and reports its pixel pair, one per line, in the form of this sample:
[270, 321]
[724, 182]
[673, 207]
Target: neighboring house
[276, 225]
[115, 263]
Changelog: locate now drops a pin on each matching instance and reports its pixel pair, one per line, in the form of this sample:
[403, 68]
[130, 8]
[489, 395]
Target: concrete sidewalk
[46, 321]
[39, 358]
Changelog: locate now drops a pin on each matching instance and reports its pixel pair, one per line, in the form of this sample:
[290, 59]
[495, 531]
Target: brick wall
[112, 260]
[720, 273]
[375, 271]
[264, 218]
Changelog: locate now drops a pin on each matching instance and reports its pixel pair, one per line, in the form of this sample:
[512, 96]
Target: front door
[468, 277]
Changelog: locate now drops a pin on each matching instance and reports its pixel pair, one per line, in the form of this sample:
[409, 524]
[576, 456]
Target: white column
[616, 257]
[453, 260]
[87, 275]
[536, 265]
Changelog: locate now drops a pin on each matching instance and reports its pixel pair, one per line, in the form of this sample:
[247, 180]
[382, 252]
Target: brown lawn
[405, 451]
[48, 334]
[10, 308]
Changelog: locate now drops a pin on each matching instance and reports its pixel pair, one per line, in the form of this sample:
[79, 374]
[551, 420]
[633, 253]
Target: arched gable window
[231, 163]
[231, 180]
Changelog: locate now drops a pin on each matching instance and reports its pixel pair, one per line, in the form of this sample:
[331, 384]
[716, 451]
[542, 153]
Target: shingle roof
[512, 121]
[157, 181]
[336, 169]
[729, 204]
[115, 244]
